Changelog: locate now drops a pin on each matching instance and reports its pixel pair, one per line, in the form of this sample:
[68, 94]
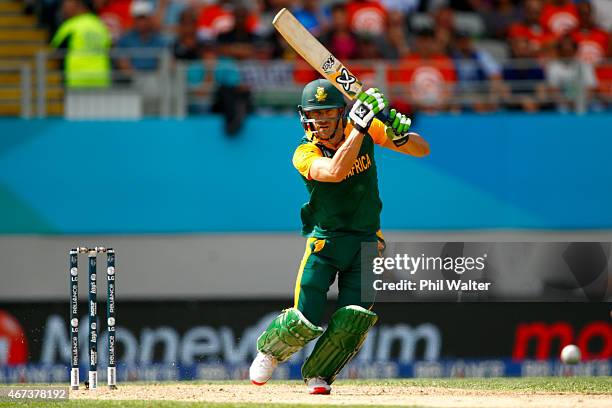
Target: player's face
[325, 121]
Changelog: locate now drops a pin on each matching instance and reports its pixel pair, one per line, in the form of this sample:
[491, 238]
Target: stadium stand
[379, 39]
[20, 40]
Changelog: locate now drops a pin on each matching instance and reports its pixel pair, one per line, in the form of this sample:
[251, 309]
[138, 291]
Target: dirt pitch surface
[374, 395]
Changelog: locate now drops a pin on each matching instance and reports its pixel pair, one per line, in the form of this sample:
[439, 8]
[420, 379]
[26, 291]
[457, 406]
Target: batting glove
[368, 104]
[399, 124]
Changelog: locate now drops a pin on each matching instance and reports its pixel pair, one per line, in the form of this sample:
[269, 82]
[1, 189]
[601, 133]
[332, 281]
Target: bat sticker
[345, 79]
[329, 63]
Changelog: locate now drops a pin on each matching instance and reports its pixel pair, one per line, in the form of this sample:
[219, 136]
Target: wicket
[92, 254]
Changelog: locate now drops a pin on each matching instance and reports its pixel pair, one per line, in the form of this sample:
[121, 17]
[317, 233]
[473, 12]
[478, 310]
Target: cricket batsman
[336, 161]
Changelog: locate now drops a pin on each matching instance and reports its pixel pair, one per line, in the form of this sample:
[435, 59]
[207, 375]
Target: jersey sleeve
[62, 35]
[303, 157]
[378, 132]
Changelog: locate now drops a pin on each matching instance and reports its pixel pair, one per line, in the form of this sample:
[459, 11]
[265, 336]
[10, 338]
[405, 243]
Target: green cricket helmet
[319, 94]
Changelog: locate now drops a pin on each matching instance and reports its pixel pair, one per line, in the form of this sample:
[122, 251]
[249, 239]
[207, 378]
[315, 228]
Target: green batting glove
[367, 105]
[398, 124]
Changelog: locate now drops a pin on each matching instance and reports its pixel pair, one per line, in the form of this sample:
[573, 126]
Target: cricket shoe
[262, 368]
[318, 386]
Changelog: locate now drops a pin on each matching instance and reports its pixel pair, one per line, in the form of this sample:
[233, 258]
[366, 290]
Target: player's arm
[361, 117]
[416, 145]
[395, 136]
[334, 170]
[310, 162]
[308, 158]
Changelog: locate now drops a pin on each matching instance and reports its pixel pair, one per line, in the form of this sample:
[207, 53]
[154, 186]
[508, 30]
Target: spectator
[396, 37]
[539, 40]
[232, 96]
[141, 50]
[367, 17]
[604, 78]
[524, 76]
[444, 26]
[218, 17]
[48, 13]
[559, 16]
[277, 47]
[498, 19]
[144, 40]
[593, 42]
[169, 11]
[572, 82]
[193, 52]
[427, 75]
[240, 42]
[467, 5]
[430, 6]
[187, 45]
[116, 15]
[265, 13]
[478, 74]
[369, 50]
[340, 39]
[403, 7]
[313, 16]
[87, 43]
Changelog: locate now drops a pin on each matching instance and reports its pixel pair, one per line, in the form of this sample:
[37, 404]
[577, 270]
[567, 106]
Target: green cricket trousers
[324, 259]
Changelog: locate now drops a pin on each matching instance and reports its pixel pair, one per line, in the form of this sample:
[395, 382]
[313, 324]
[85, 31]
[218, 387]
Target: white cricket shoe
[318, 386]
[262, 368]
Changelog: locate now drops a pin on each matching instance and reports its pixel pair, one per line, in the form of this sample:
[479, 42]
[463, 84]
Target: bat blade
[309, 48]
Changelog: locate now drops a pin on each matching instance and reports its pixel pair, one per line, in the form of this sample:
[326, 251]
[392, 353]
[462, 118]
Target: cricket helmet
[321, 94]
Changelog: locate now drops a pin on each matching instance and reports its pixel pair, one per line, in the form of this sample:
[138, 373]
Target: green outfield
[555, 392]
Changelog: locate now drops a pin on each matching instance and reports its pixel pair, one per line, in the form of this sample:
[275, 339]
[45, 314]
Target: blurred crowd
[457, 55]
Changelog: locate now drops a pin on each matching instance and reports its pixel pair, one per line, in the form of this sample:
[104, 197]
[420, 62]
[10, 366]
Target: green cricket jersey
[351, 206]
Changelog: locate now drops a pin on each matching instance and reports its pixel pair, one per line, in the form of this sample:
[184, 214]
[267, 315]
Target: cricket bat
[305, 44]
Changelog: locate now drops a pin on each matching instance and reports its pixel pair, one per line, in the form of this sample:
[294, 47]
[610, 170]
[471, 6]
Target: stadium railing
[179, 88]
[157, 91]
[16, 92]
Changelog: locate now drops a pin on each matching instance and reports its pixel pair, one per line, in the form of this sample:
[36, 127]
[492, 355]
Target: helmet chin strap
[310, 124]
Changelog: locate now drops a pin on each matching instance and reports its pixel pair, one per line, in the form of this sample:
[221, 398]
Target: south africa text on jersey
[362, 163]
